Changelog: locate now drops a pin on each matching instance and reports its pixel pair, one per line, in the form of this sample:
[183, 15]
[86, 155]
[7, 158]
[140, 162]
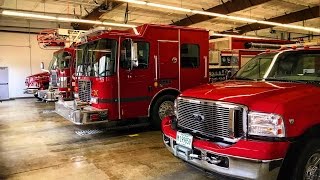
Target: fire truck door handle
[149, 88]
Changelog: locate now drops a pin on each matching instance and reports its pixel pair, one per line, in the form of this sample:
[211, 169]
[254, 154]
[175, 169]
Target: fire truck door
[168, 60]
[136, 84]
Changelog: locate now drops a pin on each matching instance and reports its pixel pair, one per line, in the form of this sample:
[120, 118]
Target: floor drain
[48, 111]
[89, 132]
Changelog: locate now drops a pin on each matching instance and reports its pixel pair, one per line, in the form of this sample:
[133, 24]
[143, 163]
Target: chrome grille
[210, 119]
[84, 90]
[54, 79]
[63, 82]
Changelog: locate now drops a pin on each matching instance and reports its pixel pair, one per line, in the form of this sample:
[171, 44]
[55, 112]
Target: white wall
[21, 53]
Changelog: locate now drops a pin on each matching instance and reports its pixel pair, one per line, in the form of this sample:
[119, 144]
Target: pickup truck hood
[256, 95]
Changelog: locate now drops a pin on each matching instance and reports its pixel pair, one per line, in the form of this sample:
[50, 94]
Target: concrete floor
[36, 143]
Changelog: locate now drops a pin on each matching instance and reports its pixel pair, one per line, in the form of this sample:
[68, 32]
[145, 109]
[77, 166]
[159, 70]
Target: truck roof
[140, 31]
[312, 48]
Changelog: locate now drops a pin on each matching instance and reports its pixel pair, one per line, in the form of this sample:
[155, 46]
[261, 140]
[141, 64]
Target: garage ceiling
[139, 14]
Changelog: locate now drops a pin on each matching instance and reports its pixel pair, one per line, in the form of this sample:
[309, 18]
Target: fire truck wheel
[162, 107]
[308, 163]
[36, 95]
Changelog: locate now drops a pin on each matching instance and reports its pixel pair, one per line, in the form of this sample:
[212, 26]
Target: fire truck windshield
[289, 66]
[97, 58]
[53, 63]
[60, 60]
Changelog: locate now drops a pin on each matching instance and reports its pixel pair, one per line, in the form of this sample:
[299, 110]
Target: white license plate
[184, 139]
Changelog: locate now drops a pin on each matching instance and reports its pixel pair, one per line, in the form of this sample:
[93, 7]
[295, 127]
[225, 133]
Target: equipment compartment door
[4, 85]
[168, 60]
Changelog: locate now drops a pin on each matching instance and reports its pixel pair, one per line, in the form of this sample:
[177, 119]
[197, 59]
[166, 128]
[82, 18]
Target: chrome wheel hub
[166, 109]
[312, 168]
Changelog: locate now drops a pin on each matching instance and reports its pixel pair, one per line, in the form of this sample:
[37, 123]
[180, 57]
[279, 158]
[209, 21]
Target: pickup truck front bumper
[245, 159]
[79, 113]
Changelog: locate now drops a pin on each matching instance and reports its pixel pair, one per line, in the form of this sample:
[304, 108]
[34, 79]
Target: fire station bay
[159, 89]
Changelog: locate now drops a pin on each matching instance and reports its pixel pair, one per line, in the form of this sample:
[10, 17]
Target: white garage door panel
[4, 88]
[4, 91]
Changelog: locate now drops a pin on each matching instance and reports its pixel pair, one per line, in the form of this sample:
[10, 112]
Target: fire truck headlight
[76, 95]
[265, 124]
[94, 100]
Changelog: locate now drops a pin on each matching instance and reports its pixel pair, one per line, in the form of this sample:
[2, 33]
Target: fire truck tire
[162, 104]
[36, 95]
[307, 165]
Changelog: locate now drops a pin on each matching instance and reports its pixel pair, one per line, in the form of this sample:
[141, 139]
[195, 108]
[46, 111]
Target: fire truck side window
[190, 55]
[142, 54]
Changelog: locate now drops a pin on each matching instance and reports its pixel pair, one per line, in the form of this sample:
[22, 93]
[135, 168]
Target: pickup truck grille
[210, 119]
[84, 90]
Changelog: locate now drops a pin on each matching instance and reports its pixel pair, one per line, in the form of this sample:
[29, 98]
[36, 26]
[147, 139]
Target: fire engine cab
[62, 68]
[136, 73]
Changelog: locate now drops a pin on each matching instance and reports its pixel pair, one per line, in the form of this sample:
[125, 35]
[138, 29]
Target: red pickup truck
[261, 124]
[36, 82]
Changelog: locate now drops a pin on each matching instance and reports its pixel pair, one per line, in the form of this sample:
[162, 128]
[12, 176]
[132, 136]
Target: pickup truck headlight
[265, 124]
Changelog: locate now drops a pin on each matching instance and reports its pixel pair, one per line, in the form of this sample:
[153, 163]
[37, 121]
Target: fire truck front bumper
[80, 114]
[243, 160]
[31, 90]
[48, 95]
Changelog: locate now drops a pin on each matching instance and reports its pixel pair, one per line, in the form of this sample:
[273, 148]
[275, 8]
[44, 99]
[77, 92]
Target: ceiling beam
[96, 13]
[293, 17]
[224, 8]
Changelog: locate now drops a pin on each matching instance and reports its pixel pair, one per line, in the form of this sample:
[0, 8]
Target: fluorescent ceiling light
[231, 35]
[64, 19]
[234, 18]
[23, 14]
[169, 7]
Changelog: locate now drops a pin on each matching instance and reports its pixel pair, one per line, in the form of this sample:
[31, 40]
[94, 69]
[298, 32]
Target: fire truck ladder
[58, 38]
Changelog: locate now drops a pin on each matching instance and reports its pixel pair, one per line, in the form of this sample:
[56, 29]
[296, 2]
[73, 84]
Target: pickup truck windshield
[97, 58]
[256, 68]
[291, 66]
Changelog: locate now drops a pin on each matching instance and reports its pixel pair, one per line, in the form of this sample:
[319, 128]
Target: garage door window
[190, 56]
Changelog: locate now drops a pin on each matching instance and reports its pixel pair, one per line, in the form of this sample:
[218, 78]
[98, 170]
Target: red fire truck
[62, 77]
[36, 82]
[136, 73]
[262, 124]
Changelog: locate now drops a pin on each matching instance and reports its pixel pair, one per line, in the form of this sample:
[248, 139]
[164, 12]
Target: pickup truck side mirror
[228, 75]
[42, 66]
